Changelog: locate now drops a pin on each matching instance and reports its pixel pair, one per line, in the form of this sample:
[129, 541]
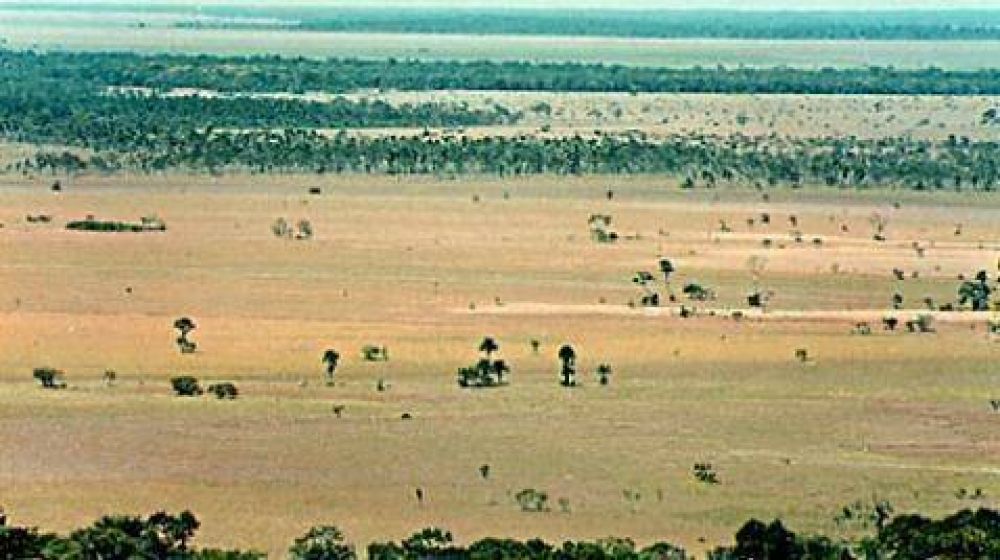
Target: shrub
[92, 224]
[704, 472]
[531, 500]
[223, 391]
[321, 543]
[50, 378]
[186, 386]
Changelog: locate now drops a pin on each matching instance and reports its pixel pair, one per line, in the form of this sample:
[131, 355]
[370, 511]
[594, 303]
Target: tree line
[66, 113]
[654, 24]
[965, 535]
[266, 73]
[696, 160]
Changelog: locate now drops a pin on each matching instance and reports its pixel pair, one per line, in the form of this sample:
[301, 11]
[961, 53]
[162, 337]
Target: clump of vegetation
[50, 378]
[146, 223]
[373, 353]
[864, 515]
[224, 391]
[704, 472]
[966, 535]
[487, 372]
[324, 542]
[603, 373]
[330, 360]
[114, 537]
[186, 386]
[600, 228]
[922, 324]
[976, 293]
[531, 500]
[697, 292]
[649, 297]
[567, 370]
[184, 326]
[302, 230]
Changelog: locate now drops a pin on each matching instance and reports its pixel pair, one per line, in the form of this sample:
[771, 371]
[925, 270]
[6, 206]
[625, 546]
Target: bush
[223, 391]
[186, 386]
[532, 500]
[50, 378]
[321, 543]
[91, 224]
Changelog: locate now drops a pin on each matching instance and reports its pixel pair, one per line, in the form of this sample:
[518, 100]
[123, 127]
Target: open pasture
[925, 117]
[417, 266]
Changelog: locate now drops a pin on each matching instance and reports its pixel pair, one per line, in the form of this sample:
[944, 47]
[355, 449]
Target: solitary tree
[186, 386]
[330, 359]
[185, 325]
[49, 378]
[568, 371]
[499, 368]
[488, 346]
[604, 373]
[322, 543]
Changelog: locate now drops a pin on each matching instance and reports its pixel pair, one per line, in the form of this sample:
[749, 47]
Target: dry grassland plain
[415, 265]
[397, 262]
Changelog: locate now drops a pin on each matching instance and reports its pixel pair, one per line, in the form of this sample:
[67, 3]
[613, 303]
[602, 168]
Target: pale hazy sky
[615, 4]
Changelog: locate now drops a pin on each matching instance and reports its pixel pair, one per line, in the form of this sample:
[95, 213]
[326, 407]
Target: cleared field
[553, 114]
[397, 262]
[659, 115]
[115, 32]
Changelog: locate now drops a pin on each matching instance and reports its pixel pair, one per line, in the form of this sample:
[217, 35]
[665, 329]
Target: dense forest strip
[110, 121]
[90, 71]
[70, 100]
[967, 534]
[910, 25]
[697, 161]
[647, 24]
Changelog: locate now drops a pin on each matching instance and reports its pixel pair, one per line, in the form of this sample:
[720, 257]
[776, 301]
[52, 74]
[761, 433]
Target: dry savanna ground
[417, 266]
[657, 115]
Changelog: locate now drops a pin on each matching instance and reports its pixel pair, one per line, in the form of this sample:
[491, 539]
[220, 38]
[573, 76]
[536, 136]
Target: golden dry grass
[398, 262]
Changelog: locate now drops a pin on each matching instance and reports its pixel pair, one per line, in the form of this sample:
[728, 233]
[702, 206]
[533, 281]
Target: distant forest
[163, 72]
[676, 24]
[71, 100]
[911, 25]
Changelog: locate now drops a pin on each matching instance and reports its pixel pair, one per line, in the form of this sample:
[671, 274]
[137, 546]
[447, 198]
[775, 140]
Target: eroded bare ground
[417, 266]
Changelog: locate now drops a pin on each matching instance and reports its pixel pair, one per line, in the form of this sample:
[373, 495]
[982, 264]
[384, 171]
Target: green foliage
[965, 535]
[532, 500]
[698, 292]
[186, 386]
[49, 378]
[705, 472]
[976, 293]
[18, 543]
[71, 99]
[321, 543]
[372, 353]
[604, 372]
[224, 391]
[160, 536]
[772, 541]
[661, 24]
[91, 224]
[487, 372]
[92, 72]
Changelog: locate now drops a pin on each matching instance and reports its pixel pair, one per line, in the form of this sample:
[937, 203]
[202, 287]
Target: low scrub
[92, 224]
